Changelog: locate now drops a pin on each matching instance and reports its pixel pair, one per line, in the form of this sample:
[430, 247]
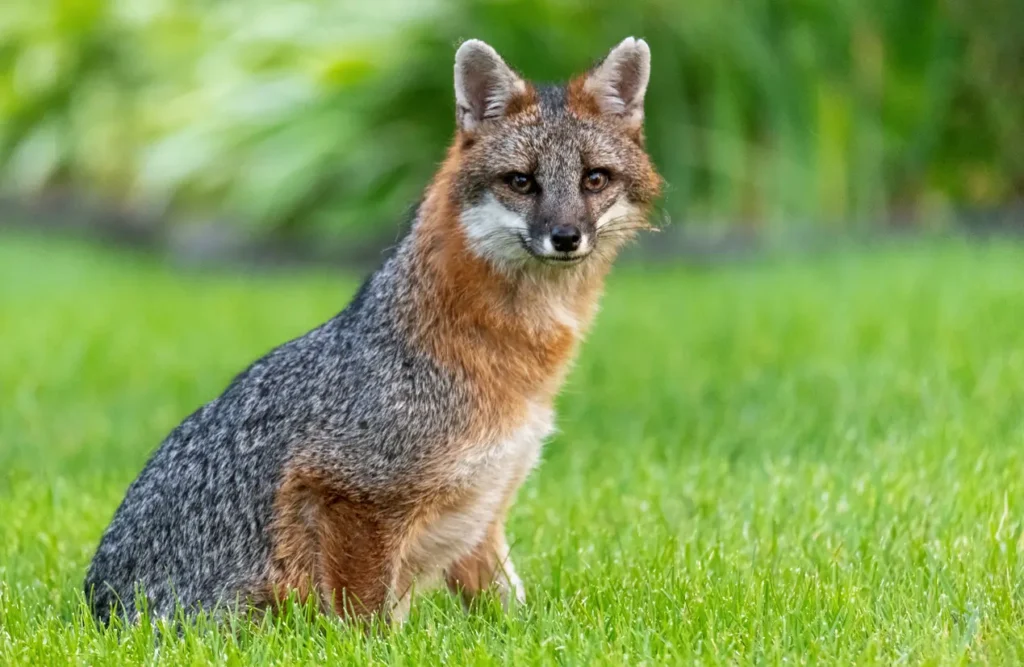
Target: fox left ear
[619, 82]
[484, 84]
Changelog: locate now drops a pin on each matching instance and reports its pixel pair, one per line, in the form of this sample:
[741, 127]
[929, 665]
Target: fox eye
[521, 183]
[595, 180]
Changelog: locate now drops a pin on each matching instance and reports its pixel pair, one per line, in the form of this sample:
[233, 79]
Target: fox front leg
[488, 567]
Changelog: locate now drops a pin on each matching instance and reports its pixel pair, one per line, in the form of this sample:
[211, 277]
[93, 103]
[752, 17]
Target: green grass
[814, 461]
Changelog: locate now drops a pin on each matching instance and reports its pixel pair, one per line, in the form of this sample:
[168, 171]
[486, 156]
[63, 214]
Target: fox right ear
[619, 82]
[484, 84]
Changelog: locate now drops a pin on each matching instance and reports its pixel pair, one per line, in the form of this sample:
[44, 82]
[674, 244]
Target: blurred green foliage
[322, 119]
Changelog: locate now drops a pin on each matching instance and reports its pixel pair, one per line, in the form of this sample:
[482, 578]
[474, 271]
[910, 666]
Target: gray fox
[379, 453]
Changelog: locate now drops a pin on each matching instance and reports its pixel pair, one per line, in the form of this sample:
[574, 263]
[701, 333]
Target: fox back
[379, 453]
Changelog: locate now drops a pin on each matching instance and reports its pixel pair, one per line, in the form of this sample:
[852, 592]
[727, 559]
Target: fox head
[551, 174]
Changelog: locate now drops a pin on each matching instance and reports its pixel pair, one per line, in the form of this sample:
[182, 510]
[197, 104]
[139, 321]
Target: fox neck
[515, 329]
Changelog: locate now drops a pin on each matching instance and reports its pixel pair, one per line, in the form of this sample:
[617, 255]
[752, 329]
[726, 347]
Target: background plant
[316, 119]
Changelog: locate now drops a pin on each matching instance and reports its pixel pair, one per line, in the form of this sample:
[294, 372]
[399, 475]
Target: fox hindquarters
[379, 453]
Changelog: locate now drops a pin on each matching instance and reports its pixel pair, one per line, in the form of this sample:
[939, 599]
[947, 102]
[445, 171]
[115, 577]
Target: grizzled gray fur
[194, 527]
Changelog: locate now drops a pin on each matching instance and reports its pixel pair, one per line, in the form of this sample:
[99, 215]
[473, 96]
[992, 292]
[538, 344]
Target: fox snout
[565, 238]
[561, 229]
[561, 238]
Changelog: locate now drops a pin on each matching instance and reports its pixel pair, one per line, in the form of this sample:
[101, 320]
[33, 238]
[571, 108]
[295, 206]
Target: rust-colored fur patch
[522, 103]
[331, 546]
[580, 102]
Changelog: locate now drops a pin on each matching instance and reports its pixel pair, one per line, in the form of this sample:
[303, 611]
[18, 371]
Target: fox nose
[565, 238]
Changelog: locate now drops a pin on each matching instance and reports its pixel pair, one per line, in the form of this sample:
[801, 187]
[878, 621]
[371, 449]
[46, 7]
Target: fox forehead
[550, 124]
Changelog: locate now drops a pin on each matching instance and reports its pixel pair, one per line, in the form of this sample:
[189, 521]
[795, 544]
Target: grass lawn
[813, 461]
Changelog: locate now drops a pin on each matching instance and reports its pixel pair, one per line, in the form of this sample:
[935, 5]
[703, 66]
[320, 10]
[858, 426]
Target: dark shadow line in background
[222, 245]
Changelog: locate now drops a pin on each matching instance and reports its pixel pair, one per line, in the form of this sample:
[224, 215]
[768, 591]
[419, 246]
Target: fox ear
[619, 82]
[484, 84]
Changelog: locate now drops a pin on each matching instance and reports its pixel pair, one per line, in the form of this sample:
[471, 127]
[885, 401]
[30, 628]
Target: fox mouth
[554, 258]
[562, 259]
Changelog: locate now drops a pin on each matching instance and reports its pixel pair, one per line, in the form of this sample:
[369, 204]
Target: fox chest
[487, 476]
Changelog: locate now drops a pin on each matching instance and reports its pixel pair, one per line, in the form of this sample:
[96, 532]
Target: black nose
[565, 238]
